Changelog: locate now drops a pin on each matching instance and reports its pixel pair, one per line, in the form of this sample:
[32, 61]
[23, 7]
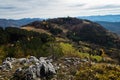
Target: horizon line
[58, 17]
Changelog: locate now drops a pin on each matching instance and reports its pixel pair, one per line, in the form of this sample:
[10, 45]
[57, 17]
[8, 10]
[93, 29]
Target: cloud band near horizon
[56, 8]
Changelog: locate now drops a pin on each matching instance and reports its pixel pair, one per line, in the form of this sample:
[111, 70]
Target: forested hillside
[78, 30]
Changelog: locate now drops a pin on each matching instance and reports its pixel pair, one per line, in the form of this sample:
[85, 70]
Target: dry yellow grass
[31, 28]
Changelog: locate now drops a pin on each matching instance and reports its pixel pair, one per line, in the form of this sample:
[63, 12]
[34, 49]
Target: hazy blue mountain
[112, 26]
[110, 22]
[16, 23]
[108, 18]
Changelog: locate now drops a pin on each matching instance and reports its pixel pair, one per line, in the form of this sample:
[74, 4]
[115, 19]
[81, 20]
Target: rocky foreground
[67, 68]
[27, 68]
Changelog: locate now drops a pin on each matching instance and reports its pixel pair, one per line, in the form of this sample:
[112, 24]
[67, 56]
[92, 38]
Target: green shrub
[99, 72]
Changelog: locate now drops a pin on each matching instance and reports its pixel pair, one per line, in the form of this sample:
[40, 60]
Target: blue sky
[57, 8]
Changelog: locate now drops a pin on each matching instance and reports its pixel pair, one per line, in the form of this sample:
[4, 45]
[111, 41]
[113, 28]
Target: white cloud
[56, 8]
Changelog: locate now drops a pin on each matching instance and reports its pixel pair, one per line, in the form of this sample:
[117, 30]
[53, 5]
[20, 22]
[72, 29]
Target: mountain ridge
[110, 22]
[16, 23]
[78, 29]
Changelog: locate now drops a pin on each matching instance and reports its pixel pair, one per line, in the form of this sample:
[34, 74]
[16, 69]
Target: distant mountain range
[107, 18]
[112, 26]
[110, 22]
[17, 23]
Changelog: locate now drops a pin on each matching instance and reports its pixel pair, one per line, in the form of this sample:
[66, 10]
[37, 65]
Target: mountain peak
[79, 30]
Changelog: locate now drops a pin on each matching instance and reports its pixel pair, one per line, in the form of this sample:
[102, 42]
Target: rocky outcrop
[7, 64]
[33, 69]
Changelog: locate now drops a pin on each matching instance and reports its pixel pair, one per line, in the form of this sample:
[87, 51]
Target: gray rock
[42, 59]
[51, 68]
[10, 59]
[33, 59]
[40, 70]
[84, 60]
[23, 61]
[6, 65]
